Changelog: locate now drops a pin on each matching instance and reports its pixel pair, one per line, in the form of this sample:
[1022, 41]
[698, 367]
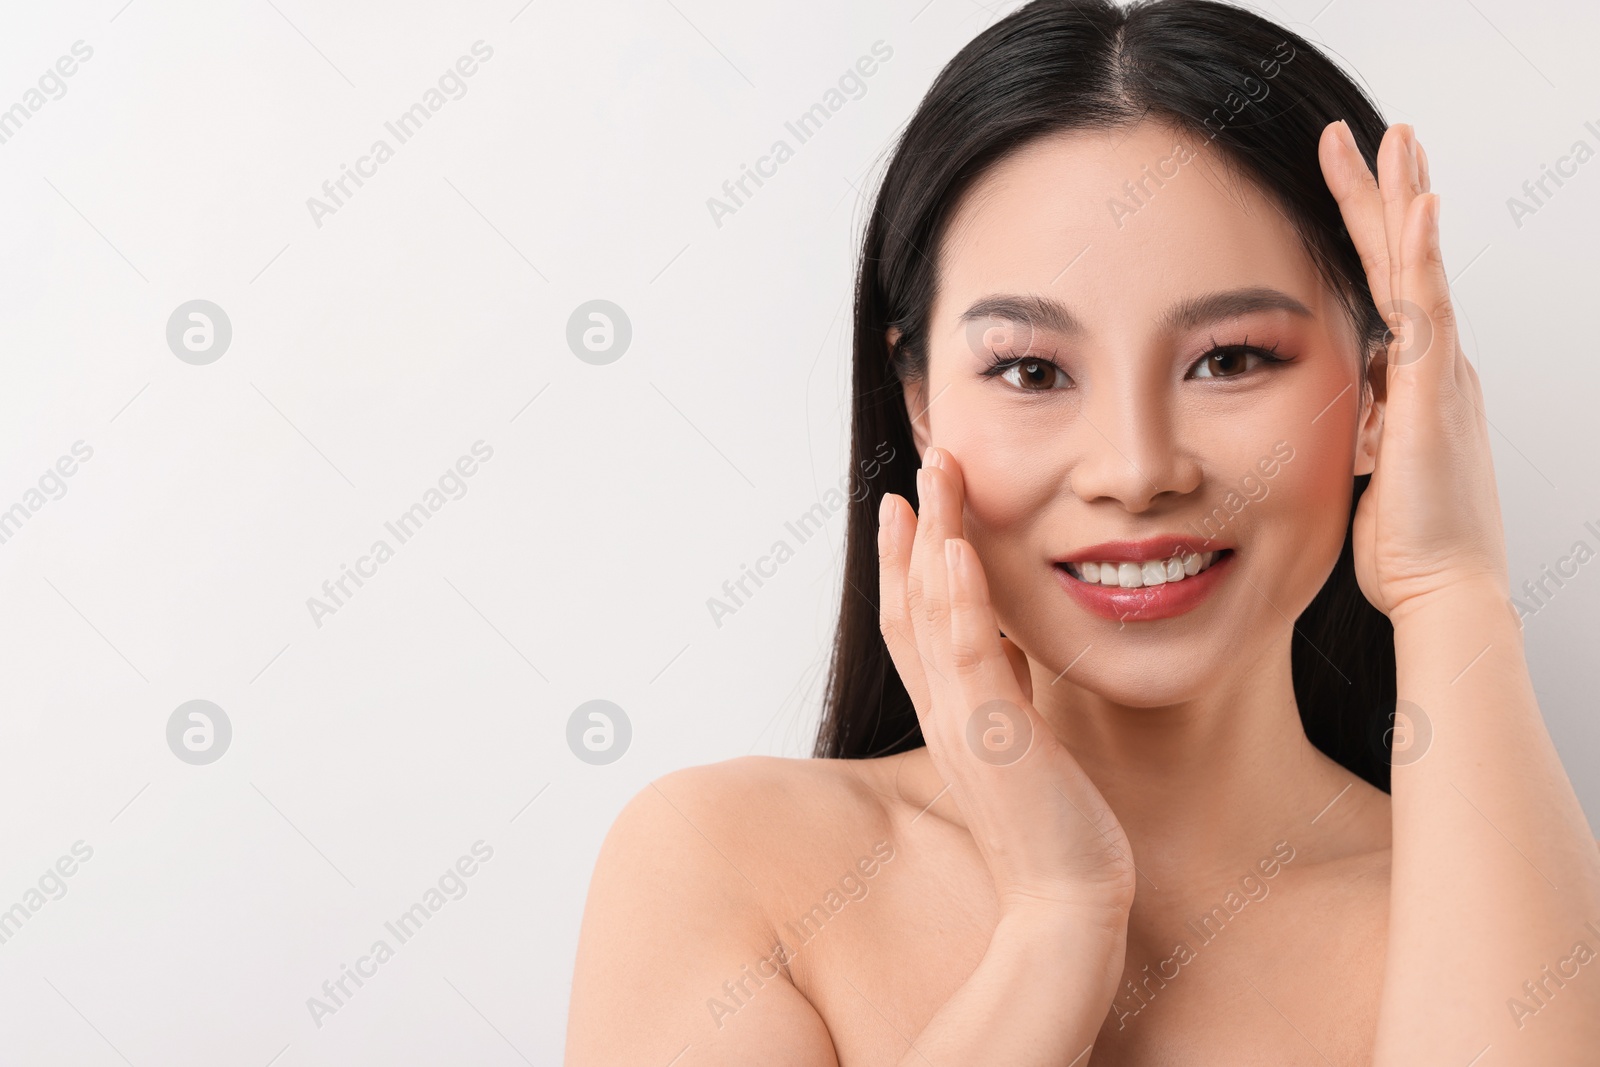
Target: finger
[896, 525]
[927, 587]
[1356, 192]
[926, 584]
[1397, 188]
[1423, 282]
[984, 681]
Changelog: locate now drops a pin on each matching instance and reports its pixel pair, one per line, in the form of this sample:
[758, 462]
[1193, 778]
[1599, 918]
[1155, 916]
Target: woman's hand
[1429, 522]
[1052, 844]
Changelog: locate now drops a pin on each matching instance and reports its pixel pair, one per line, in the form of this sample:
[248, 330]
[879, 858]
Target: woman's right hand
[1052, 845]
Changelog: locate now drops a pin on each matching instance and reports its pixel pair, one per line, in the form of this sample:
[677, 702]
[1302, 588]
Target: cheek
[1015, 476]
[1011, 473]
[1301, 521]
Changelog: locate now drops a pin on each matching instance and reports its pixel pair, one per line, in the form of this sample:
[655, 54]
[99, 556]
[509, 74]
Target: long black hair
[1259, 93]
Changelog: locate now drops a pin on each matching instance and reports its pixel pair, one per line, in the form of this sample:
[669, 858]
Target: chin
[1141, 684]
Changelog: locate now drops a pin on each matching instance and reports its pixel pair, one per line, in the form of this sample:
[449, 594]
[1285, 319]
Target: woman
[1204, 538]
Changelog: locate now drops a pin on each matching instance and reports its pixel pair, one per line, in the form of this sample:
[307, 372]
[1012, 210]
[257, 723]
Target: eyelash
[1002, 364]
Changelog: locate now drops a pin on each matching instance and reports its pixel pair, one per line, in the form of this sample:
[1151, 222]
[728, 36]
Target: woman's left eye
[1230, 361]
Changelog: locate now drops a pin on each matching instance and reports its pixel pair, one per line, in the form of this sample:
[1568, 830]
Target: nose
[1131, 450]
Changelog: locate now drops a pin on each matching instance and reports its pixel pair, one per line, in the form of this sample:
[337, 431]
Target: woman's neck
[1199, 784]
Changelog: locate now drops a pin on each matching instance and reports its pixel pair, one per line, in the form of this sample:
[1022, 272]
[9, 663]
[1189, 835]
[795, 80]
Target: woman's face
[1153, 421]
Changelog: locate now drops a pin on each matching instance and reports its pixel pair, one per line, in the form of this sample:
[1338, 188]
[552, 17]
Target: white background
[369, 353]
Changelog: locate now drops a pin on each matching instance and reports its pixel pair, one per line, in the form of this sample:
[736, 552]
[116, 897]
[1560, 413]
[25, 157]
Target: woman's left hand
[1429, 521]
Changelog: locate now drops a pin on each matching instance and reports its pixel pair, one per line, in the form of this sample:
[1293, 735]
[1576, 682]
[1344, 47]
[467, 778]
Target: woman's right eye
[1031, 375]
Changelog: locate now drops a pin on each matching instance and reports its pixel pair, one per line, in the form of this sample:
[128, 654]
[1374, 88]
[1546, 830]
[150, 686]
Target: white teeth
[1139, 575]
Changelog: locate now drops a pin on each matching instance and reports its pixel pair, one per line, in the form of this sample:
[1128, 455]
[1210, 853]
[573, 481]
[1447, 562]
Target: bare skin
[1169, 872]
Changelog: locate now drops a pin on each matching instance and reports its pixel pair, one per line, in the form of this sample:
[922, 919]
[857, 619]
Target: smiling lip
[1148, 603]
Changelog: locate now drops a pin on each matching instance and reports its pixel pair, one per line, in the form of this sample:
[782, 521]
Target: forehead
[1119, 224]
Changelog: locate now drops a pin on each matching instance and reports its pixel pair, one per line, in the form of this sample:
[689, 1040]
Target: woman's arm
[1037, 998]
[1496, 877]
[1494, 924]
[1061, 864]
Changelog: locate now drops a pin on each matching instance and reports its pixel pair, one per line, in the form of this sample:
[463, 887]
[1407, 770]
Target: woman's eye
[1033, 375]
[1232, 361]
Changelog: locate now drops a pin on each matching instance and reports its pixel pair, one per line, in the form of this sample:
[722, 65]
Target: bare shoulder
[774, 779]
[680, 905]
[782, 823]
[752, 797]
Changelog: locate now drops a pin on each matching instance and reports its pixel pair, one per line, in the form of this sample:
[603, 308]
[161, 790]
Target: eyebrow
[1049, 314]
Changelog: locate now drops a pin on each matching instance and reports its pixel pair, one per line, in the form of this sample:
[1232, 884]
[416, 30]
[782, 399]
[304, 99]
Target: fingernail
[883, 511]
[952, 554]
[1411, 157]
[1347, 137]
[1422, 166]
[934, 457]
